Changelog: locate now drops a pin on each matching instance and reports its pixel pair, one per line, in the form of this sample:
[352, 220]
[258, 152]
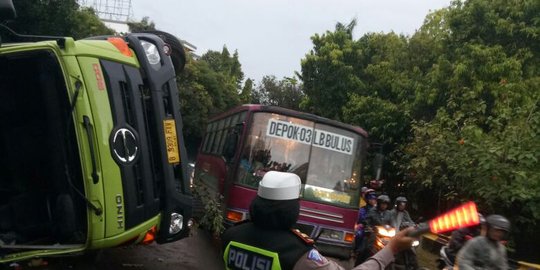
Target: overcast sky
[272, 36]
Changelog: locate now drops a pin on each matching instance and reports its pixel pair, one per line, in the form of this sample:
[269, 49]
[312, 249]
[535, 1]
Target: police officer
[486, 252]
[268, 242]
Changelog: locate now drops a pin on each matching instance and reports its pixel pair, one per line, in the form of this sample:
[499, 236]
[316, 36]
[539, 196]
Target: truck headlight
[177, 223]
[152, 53]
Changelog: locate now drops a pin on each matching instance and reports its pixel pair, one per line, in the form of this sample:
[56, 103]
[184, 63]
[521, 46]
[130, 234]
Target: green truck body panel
[81, 64]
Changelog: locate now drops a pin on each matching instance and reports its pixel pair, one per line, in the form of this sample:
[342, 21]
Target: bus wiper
[69, 121]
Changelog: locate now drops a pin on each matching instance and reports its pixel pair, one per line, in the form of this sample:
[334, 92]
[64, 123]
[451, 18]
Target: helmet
[383, 199]
[482, 219]
[370, 194]
[401, 199]
[498, 222]
[363, 190]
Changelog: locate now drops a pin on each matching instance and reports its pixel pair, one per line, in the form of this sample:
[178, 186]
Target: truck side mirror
[7, 11]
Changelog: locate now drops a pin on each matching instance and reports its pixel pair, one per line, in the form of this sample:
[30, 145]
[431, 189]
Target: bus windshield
[327, 159]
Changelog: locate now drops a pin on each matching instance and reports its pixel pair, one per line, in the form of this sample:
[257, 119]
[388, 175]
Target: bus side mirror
[7, 11]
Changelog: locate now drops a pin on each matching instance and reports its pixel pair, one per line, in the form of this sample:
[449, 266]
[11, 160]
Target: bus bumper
[331, 250]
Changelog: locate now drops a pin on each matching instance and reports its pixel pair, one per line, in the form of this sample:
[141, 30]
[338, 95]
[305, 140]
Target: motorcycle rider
[377, 216]
[371, 201]
[380, 215]
[359, 244]
[486, 252]
[267, 241]
[400, 216]
[462, 235]
[402, 219]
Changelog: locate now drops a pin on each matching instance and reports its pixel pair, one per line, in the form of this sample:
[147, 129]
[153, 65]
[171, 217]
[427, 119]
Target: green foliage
[211, 217]
[245, 96]
[457, 102]
[286, 93]
[57, 18]
[144, 25]
[207, 87]
[379, 117]
[227, 65]
[328, 71]
[87, 24]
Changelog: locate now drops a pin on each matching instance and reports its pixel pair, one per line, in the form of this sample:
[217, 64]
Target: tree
[328, 71]
[144, 25]
[206, 88]
[245, 96]
[286, 93]
[483, 137]
[57, 18]
[223, 63]
[457, 102]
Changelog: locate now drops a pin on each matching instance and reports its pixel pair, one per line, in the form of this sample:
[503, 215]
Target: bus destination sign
[308, 135]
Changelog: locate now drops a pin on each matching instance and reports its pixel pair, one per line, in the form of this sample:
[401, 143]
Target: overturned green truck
[91, 147]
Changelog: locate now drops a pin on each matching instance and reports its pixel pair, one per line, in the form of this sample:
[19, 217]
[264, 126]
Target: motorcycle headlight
[177, 223]
[152, 53]
[388, 232]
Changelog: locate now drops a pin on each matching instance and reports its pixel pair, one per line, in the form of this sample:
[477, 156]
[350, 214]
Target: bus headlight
[177, 223]
[152, 53]
[331, 234]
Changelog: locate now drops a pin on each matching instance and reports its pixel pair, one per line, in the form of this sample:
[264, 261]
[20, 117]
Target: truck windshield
[327, 159]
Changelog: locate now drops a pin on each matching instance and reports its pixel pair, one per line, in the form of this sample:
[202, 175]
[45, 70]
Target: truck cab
[91, 146]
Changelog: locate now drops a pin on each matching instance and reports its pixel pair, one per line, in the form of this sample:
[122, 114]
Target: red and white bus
[243, 143]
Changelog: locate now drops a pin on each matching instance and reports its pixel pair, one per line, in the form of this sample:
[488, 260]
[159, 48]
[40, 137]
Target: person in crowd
[371, 201]
[400, 215]
[462, 235]
[267, 241]
[380, 215]
[486, 252]
[401, 220]
[377, 216]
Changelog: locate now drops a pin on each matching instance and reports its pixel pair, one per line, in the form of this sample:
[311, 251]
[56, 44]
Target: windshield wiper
[69, 121]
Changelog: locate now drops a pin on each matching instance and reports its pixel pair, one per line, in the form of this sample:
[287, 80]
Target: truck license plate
[171, 141]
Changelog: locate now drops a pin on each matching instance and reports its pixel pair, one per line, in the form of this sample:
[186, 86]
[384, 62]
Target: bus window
[334, 170]
[264, 151]
[210, 133]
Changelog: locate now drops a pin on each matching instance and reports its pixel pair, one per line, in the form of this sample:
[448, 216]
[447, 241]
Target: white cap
[279, 186]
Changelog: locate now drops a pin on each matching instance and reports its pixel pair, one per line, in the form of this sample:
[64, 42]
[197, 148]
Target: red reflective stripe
[463, 216]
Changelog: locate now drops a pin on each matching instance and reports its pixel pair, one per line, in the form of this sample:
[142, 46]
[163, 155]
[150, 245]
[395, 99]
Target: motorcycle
[407, 259]
[444, 262]
[378, 237]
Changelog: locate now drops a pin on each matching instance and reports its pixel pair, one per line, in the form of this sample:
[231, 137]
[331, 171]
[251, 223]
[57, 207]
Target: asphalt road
[192, 253]
[199, 251]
